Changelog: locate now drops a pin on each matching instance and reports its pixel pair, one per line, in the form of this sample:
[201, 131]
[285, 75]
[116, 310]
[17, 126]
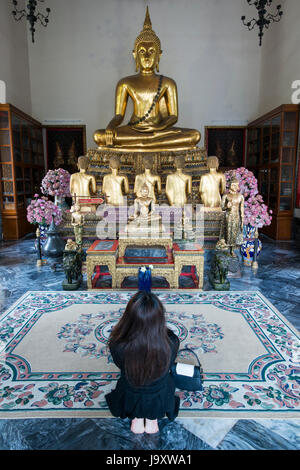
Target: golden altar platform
[105, 253]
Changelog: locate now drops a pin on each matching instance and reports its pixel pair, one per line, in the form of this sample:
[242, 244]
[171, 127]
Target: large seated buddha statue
[155, 105]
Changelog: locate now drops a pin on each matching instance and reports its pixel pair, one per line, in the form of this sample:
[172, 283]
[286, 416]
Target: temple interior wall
[77, 61]
[223, 77]
[14, 60]
[280, 61]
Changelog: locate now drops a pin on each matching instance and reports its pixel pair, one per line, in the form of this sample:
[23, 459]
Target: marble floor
[278, 278]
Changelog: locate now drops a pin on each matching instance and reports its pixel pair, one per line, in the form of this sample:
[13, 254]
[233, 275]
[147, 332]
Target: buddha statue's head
[83, 163]
[147, 48]
[114, 162]
[148, 162]
[213, 162]
[179, 162]
[234, 185]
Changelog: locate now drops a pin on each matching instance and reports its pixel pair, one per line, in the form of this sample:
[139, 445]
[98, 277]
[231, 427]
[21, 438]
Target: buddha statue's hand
[145, 128]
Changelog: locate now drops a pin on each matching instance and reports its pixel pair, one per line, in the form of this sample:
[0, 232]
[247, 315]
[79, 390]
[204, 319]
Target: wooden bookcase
[22, 168]
[271, 156]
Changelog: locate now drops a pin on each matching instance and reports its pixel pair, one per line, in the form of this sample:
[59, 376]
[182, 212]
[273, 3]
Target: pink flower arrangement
[41, 210]
[56, 183]
[257, 213]
[247, 180]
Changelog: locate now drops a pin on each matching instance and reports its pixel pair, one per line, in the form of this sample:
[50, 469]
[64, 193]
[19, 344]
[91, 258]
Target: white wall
[280, 64]
[86, 48]
[14, 64]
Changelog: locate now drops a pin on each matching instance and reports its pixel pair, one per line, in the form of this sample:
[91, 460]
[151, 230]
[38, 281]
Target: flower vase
[54, 245]
[43, 233]
[248, 246]
[144, 279]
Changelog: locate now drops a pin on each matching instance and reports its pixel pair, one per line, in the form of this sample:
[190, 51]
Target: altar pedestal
[188, 254]
[101, 253]
[195, 160]
[169, 265]
[165, 270]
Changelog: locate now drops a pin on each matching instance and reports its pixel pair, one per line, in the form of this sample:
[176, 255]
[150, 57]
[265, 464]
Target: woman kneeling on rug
[143, 348]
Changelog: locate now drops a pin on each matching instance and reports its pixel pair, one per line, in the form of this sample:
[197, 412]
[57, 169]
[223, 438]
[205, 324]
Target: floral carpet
[54, 360]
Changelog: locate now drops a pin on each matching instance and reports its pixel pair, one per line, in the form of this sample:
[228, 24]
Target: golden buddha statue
[152, 181]
[82, 184]
[231, 233]
[114, 183]
[145, 220]
[178, 185]
[155, 106]
[77, 222]
[212, 185]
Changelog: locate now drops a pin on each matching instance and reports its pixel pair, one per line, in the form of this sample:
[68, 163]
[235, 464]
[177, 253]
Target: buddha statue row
[178, 187]
[178, 184]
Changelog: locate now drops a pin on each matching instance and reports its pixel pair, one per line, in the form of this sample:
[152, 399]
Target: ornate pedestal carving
[188, 254]
[166, 271]
[102, 253]
[109, 253]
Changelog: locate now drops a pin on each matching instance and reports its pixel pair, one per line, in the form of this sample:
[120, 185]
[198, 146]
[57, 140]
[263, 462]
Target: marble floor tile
[210, 430]
[93, 434]
[278, 278]
[251, 435]
[288, 429]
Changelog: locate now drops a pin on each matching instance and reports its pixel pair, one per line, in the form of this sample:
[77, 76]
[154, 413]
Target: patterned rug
[54, 361]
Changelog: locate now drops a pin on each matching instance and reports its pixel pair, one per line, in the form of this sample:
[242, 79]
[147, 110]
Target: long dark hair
[142, 329]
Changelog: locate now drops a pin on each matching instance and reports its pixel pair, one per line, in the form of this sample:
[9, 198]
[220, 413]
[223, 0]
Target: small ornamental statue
[72, 263]
[77, 222]
[231, 232]
[220, 266]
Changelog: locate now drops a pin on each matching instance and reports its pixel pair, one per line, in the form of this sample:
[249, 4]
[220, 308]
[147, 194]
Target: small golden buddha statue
[82, 184]
[77, 222]
[231, 232]
[178, 185]
[144, 219]
[152, 181]
[114, 183]
[212, 185]
[155, 104]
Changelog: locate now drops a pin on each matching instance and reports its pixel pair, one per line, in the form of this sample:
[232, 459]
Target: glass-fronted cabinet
[21, 168]
[271, 155]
